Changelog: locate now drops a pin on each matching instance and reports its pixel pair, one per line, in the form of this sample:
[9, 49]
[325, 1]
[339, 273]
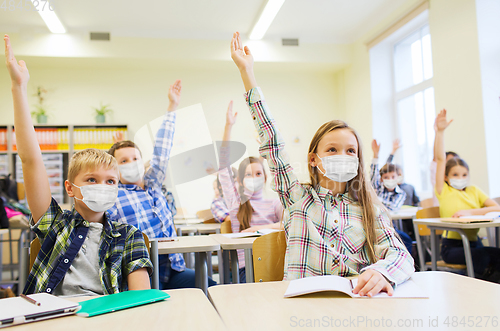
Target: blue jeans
[183, 279]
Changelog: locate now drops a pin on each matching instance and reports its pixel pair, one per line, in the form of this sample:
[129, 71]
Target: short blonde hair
[90, 158]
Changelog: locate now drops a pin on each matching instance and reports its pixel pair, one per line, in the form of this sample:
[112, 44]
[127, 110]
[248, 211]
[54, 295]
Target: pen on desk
[167, 240]
[36, 303]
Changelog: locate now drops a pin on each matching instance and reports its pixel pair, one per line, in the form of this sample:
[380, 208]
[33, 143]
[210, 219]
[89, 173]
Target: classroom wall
[138, 95]
[457, 81]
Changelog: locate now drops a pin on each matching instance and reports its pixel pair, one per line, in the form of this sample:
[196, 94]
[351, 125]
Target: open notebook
[18, 310]
[258, 233]
[489, 217]
[307, 285]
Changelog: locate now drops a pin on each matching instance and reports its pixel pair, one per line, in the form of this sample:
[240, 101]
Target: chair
[424, 233]
[206, 216]
[225, 227]
[269, 257]
[35, 248]
[426, 203]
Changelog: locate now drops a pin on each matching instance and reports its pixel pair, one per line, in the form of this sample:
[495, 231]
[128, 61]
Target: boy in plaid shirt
[83, 252]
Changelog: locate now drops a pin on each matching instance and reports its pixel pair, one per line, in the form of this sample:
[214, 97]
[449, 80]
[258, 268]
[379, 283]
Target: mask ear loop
[318, 167]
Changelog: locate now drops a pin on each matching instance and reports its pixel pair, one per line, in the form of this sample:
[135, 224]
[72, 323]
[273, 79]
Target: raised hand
[375, 148]
[241, 56]
[230, 117]
[174, 95]
[395, 146]
[19, 74]
[441, 122]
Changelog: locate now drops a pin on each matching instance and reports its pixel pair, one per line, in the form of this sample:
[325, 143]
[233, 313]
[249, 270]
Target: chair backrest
[432, 212]
[426, 203]
[205, 214]
[497, 200]
[35, 248]
[225, 227]
[269, 257]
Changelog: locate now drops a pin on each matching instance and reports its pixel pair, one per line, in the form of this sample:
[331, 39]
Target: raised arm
[164, 139]
[440, 124]
[229, 189]
[285, 182]
[395, 146]
[36, 182]
[374, 173]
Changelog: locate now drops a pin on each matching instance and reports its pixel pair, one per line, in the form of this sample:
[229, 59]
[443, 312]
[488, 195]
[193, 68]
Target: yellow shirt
[452, 200]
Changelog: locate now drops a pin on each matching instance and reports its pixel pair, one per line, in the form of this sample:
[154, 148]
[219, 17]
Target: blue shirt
[392, 200]
[148, 208]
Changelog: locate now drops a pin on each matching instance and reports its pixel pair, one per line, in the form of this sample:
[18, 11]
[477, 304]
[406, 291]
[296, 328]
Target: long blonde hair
[246, 210]
[359, 188]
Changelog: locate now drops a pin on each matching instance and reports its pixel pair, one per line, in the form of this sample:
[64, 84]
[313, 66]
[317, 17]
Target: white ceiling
[312, 21]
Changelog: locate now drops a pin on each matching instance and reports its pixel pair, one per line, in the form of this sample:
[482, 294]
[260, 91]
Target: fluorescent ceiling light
[49, 16]
[266, 18]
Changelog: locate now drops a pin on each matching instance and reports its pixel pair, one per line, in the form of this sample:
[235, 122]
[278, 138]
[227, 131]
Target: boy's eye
[111, 181]
[333, 149]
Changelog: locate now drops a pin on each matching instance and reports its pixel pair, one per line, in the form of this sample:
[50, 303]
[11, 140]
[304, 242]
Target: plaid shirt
[62, 233]
[219, 209]
[324, 232]
[147, 209]
[391, 200]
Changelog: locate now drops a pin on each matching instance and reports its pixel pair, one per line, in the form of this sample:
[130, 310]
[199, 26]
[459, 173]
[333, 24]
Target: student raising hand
[395, 146]
[441, 122]
[18, 71]
[230, 117]
[174, 95]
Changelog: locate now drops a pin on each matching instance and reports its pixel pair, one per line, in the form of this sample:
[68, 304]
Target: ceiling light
[266, 18]
[49, 16]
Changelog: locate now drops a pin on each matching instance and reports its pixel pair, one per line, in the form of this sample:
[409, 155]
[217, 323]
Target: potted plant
[41, 109]
[101, 113]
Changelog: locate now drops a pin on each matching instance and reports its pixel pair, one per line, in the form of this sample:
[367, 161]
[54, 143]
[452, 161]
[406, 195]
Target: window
[414, 105]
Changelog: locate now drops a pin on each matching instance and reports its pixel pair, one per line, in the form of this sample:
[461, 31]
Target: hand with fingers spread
[441, 122]
[372, 282]
[18, 71]
[174, 95]
[241, 56]
[375, 148]
[243, 59]
[395, 146]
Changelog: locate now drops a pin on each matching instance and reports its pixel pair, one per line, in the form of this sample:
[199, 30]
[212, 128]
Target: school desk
[186, 309]
[199, 245]
[187, 221]
[436, 224]
[455, 303]
[231, 245]
[403, 214]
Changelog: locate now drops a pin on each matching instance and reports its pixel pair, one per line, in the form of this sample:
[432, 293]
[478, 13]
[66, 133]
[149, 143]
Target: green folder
[119, 301]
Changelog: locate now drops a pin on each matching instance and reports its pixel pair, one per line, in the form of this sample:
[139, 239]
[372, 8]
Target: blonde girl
[333, 226]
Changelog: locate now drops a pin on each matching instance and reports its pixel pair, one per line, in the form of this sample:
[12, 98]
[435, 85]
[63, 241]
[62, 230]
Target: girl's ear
[313, 161]
[69, 188]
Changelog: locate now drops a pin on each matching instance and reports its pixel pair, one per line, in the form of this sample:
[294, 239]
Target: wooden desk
[435, 224]
[199, 245]
[450, 296]
[187, 221]
[231, 245]
[175, 313]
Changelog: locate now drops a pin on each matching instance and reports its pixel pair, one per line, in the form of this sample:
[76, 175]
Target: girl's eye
[91, 180]
[123, 161]
[332, 149]
[352, 150]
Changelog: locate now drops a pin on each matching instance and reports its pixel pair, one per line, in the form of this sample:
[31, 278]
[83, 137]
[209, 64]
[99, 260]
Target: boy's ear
[312, 159]
[69, 188]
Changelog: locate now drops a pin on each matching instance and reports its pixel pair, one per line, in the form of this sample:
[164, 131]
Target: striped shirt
[62, 234]
[391, 200]
[266, 211]
[147, 209]
[219, 209]
[324, 232]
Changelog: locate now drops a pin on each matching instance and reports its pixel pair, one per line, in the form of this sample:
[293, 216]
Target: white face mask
[400, 179]
[98, 197]
[254, 184]
[132, 172]
[339, 168]
[459, 184]
[390, 183]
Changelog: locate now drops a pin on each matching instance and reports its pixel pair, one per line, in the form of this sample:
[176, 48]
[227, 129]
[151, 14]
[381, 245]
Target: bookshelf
[58, 143]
